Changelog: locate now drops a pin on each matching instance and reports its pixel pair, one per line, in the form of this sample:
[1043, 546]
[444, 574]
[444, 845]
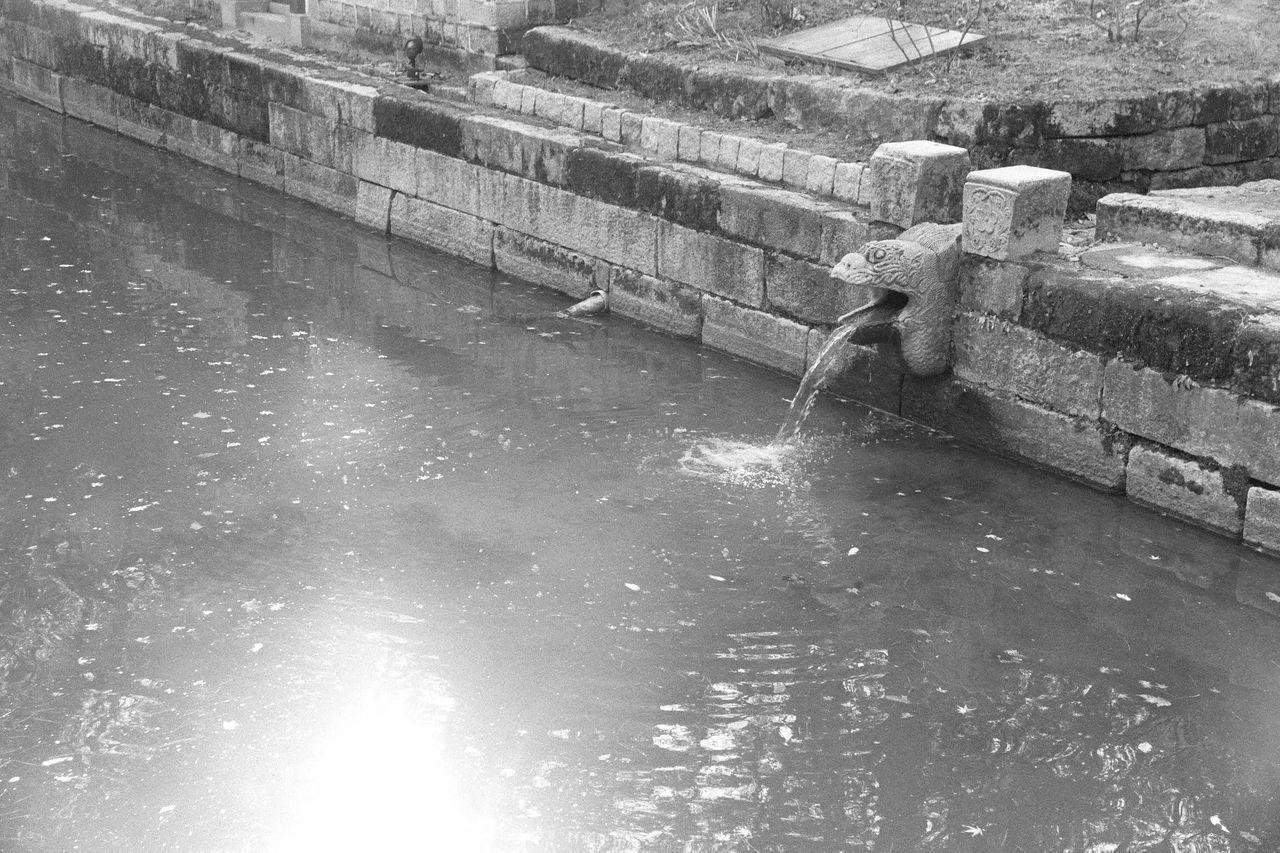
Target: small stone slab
[1242, 223]
[871, 44]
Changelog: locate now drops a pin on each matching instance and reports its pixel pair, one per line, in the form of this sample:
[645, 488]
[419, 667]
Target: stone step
[285, 28]
[654, 136]
[1238, 223]
[1197, 279]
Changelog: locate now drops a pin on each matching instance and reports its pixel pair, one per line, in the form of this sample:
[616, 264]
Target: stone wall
[486, 27]
[1212, 134]
[1062, 365]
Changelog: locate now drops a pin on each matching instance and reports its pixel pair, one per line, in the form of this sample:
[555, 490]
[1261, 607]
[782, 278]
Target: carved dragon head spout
[912, 280]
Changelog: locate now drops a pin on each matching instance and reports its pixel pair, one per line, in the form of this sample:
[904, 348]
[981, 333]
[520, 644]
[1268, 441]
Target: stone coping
[775, 162]
[1209, 134]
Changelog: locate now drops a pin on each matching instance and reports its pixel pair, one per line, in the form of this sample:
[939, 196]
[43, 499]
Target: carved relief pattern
[988, 218]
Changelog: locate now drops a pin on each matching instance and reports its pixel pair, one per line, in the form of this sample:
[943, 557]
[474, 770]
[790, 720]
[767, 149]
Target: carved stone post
[1014, 211]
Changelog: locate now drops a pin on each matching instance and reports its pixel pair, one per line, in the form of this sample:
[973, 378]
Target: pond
[318, 541]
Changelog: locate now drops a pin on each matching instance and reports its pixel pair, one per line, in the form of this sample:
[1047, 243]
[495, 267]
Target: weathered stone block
[1257, 358]
[144, 122]
[660, 136]
[242, 113]
[615, 234]
[657, 303]
[1165, 150]
[442, 228]
[774, 218]
[1210, 423]
[480, 88]
[795, 168]
[302, 133]
[449, 182]
[807, 291]
[709, 147]
[742, 155]
[529, 96]
[1076, 447]
[91, 103]
[609, 176]
[754, 335]
[264, 164]
[572, 110]
[1183, 488]
[1089, 159]
[711, 263]
[731, 154]
[38, 84]
[373, 206]
[629, 131]
[770, 161]
[593, 117]
[993, 287]
[1249, 139]
[421, 123]
[689, 143]
[1119, 116]
[343, 102]
[206, 144]
[917, 181]
[842, 232]
[1018, 362]
[540, 153]
[1182, 223]
[611, 123]
[382, 161]
[508, 95]
[847, 181]
[1184, 330]
[1014, 211]
[1262, 520]
[822, 175]
[690, 198]
[540, 262]
[548, 105]
[320, 185]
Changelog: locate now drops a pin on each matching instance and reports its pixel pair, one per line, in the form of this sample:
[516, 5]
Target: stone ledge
[1220, 222]
[675, 141]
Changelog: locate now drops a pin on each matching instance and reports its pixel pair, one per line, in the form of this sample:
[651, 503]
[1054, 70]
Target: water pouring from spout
[872, 323]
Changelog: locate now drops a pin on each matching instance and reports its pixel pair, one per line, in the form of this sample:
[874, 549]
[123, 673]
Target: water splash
[738, 462]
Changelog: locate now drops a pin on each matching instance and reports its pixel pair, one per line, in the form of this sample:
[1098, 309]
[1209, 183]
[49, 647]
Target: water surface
[314, 541]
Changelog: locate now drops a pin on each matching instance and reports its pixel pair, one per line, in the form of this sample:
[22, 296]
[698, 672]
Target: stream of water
[315, 541]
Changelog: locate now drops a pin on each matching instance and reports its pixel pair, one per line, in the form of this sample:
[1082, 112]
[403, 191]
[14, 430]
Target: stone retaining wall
[1212, 134]
[1055, 364]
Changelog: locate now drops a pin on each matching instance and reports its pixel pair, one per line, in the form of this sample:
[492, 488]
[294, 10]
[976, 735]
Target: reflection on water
[314, 541]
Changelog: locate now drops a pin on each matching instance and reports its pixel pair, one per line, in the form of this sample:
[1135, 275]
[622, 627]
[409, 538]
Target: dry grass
[1051, 48]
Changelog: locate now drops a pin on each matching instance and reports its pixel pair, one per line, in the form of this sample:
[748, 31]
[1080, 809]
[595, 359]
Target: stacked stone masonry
[1056, 362]
[794, 168]
[1210, 134]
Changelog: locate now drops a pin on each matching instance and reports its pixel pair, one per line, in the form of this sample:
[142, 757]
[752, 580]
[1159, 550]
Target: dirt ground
[1043, 48]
